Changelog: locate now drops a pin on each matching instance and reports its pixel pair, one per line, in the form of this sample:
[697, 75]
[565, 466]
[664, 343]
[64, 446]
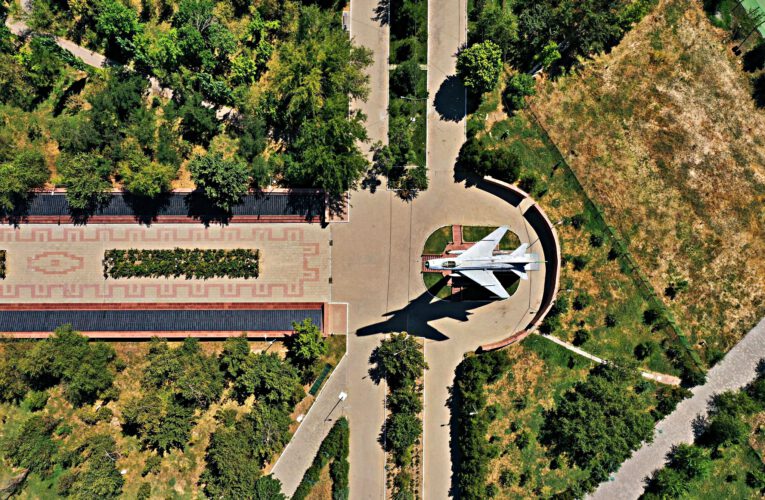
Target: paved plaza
[48, 263]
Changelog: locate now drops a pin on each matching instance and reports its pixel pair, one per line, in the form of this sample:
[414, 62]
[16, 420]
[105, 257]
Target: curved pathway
[735, 370]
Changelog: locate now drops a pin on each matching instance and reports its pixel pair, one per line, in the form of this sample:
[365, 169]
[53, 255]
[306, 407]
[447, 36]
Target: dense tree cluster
[598, 423]
[90, 467]
[288, 71]
[176, 382]
[238, 450]
[727, 425]
[401, 361]
[472, 425]
[86, 369]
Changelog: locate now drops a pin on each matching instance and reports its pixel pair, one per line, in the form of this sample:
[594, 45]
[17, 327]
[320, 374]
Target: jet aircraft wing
[484, 248]
[487, 280]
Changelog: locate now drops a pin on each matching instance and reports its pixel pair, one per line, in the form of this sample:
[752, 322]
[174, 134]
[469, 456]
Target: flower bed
[189, 262]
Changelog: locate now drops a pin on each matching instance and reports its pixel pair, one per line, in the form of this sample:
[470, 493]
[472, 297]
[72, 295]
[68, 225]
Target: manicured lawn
[509, 241]
[436, 284]
[437, 241]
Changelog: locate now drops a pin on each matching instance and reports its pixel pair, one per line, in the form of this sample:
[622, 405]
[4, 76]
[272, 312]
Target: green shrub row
[188, 262]
[333, 449]
[472, 423]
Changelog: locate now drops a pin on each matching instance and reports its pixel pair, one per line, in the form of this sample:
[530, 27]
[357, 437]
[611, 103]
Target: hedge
[188, 262]
[334, 448]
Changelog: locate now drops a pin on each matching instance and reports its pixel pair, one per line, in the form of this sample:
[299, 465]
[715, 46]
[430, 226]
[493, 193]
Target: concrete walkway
[735, 371]
[657, 377]
[302, 448]
[376, 260]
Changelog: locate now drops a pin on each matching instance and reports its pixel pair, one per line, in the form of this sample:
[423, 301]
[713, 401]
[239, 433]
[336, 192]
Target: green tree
[400, 359]
[198, 122]
[43, 66]
[325, 154]
[32, 447]
[147, 179]
[26, 172]
[480, 66]
[401, 432]
[520, 86]
[223, 181]
[498, 24]
[723, 430]
[598, 422]
[236, 350]
[270, 379]
[548, 56]
[100, 478]
[268, 488]
[160, 422]
[306, 344]
[691, 461]
[86, 177]
[116, 25]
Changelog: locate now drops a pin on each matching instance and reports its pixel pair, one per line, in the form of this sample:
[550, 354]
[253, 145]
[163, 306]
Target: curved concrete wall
[548, 238]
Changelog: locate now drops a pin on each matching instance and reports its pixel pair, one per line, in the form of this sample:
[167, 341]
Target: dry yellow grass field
[665, 136]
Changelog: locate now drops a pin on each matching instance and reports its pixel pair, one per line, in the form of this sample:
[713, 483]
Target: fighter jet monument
[479, 262]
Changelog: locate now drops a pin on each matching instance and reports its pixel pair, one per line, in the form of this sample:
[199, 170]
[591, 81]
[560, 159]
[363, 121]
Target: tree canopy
[480, 66]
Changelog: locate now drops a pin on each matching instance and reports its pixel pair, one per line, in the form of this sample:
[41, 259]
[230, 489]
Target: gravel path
[735, 371]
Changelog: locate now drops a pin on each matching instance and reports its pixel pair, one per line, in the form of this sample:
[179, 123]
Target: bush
[582, 301]
[520, 86]
[581, 336]
[187, 262]
[152, 465]
[36, 400]
[645, 350]
[333, 448]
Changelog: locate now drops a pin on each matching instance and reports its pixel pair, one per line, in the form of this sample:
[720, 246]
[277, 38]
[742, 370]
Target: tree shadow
[450, 99]
[310, 206]
[146, 209]
[382, 12]
[758, 91]
[202, 209]
[415, 317]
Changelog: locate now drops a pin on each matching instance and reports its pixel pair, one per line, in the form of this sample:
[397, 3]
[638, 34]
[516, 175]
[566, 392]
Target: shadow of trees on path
[449, 101]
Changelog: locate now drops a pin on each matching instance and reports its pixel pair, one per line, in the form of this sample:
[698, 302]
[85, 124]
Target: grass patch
[436, 284]
[593, 270]
[661, 132]
[472, 234]
[437, 241]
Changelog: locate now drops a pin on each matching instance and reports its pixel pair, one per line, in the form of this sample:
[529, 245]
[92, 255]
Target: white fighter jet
[479, 263]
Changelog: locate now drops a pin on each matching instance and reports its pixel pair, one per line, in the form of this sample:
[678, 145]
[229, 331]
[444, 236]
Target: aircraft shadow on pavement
[415, 317]
[449, 101]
